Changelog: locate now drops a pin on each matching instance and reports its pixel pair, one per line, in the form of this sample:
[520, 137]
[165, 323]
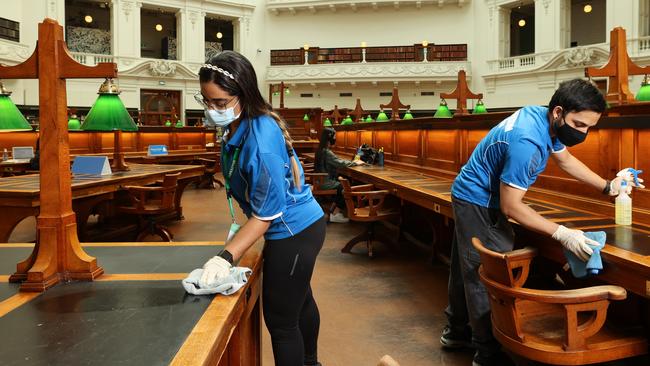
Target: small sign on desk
[91, 166]
[157, 150]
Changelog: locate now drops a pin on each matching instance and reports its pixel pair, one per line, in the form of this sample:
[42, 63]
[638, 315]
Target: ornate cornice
[12, 53]
[389, 71]
[312, 6]
[159, 69]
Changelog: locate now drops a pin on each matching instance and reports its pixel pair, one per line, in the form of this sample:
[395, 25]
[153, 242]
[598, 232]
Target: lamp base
[119, 165]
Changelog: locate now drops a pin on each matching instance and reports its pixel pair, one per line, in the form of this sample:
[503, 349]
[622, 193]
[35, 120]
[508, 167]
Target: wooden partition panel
[365, 137]
[408, 146]
[15, 138]
[385, 139]
[442, 149]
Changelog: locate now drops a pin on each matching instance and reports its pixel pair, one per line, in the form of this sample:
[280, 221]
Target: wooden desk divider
[358, 112]
[336, 114]
[57, 255]
[395, 105]
[618, 68]
[461, 94]
[272, 89]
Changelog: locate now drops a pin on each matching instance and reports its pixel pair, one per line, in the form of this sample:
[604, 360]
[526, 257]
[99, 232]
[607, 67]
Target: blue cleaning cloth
[227, 286]
[594, 265]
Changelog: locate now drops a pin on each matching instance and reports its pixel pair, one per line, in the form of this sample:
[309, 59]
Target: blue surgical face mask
[217, 118]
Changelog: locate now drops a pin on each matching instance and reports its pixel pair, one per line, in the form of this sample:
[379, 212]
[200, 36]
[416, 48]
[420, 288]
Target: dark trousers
[468, 299]
[290, 312]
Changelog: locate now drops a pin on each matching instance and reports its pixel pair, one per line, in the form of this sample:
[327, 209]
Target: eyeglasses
[219, 105]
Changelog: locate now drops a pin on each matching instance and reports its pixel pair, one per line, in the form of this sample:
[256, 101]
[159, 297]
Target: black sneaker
[453, 339]
[492, 359]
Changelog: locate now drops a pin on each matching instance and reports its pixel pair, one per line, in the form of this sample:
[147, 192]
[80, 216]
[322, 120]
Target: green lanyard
[227, 177]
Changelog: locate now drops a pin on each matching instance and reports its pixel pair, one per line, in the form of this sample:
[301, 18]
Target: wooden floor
[369, 307]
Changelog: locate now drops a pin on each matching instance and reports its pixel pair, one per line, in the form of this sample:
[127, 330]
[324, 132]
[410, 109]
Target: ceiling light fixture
[587, 8]
[522, 22]
[88, 19]
[159, 27]
[219, 35]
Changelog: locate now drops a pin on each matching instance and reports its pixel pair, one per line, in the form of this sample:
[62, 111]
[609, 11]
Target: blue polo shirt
[262, 182]
[514, 152]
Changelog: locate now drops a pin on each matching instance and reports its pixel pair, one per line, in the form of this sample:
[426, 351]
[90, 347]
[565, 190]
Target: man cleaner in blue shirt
[490, 189]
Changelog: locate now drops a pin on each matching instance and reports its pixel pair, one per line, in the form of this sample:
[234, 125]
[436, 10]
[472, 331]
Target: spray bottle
[357, 156]
[623, 204]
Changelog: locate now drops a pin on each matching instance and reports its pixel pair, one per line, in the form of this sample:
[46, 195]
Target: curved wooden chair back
[562, 327]
[153, 199]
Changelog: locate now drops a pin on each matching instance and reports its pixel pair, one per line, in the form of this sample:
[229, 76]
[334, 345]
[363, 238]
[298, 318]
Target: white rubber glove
[575, 241]
[213, 270]
[625, 174]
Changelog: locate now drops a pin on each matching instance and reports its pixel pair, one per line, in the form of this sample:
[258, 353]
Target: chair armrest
[144, 188]
[577, 296]
[363, 187]
[204, 160]
[375, 200]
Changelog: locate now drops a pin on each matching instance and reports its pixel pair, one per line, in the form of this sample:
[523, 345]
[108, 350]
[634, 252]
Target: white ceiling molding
[278, 7]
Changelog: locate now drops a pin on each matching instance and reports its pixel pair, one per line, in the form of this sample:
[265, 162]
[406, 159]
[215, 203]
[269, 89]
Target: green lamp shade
[382, 117]
[305, 117]
[10, 116]
[179, 124]
[369, 119]
[480, 108]
[644, 93]
[443, 111]
[408, 115]
[347, 121]
[287, 91]
[74, 124]
[168, 123]
[327, 123]
[275, 94]
[108, 114]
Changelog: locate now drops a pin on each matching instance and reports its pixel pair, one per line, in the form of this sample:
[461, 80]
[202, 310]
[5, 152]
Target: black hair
[326, 137]
[578, 95]
[243, 84]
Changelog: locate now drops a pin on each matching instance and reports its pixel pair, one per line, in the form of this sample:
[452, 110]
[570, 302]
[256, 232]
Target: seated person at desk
[490, 189]
[328, 162]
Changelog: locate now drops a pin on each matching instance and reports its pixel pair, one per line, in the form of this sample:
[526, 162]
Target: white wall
[476, 24]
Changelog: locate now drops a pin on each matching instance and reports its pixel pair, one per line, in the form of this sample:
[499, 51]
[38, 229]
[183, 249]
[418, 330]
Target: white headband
[218, 69]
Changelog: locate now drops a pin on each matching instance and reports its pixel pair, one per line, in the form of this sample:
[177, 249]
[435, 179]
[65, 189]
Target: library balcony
[315, 65]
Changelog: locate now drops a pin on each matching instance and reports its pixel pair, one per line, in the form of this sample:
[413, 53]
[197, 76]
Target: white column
[642, 7]
[56, 10]
[181, 35]
[194, 36]
[125, 28]
[503, 25]
[547, 26]
[242, 36]
[620, 13]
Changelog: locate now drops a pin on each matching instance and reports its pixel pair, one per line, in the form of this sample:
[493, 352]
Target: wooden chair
[149, 202]
[566, 327]
[209, 178]
[365, 204]
[325, 197]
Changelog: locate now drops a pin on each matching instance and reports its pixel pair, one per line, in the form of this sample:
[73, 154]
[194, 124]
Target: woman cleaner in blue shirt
[262, 174]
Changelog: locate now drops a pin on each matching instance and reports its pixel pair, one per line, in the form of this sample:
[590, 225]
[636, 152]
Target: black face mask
[568, 135]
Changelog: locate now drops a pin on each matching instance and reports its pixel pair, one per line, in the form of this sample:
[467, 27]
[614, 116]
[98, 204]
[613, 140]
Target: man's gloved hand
[213, 270]
[575, 241]
[624, 175]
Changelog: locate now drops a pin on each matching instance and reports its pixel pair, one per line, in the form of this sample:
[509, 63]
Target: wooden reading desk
[626, 257]
[19, 195]
[136, 314]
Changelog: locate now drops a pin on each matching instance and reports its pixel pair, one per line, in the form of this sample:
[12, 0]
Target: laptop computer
[21, 154]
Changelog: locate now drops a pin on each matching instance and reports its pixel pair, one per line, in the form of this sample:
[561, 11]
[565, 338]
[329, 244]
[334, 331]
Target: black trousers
[290, 312]
[468, 299]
